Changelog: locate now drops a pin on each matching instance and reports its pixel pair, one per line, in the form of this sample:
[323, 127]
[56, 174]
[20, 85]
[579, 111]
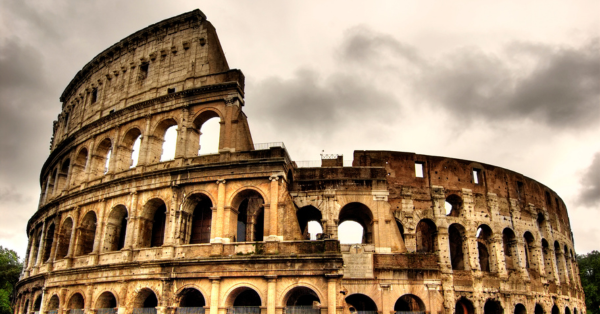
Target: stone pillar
[271, 294]
[130, 221]
[497, 247]
[57, 223]
[98, 237]
[562, 263]
[214, 294]
[273, 216]
[473, 251]
[332, 295]
[28, 254]
[220, 212]
[180, 148]
[521, 257]
[385, 299]
[444, 250]
[538, 257]
[38, 259]
[145, 144]
[90, 161]
[72, 243]
[554, 263]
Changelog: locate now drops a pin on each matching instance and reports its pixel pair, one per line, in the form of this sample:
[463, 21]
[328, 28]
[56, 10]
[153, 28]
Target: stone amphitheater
[125, 227]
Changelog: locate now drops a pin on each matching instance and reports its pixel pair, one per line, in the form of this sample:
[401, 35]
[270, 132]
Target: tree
[589, 272]
[10, 269]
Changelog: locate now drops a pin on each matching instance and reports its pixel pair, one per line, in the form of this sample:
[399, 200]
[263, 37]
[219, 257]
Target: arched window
[102, 158]
[520, 309]
[200, 207]
[529, 243]
[48, 240]
[36, 246]
[116, 229]
[106, 303]
[204, 137]
[492, 307]
[250, 218]
[426, 233]
[37, 305]
[53, 304]
[145, 302]
[309, 218]
[464, 306]
[484, 234]
[555, 309]
[64, 238]
[162, 145]
[191, 302]
[129, 150]
[78, 171]
[87, 234]
[244, 300]
[50, 187]
[453, 205]
[456, 233]
[355, 215]
[510, 249]
[361, 303]
[152, 228]
[302, 300]
[76, 304]
[63, 175]
[409, 303]
[170, 144]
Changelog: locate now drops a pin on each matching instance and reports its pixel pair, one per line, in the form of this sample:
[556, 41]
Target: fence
[190, 310]
[307, 309]
[243, 310]
[110, 310]
[144, 310]
[260, 146]
[53, 312]
[76, 311]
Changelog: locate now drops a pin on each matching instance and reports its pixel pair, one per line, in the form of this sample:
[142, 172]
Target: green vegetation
[10, 269]
[589, 271]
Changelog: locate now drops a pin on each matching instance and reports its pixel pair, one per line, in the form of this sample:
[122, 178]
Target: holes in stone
[170, 90]
[94, 96]
[144, 71]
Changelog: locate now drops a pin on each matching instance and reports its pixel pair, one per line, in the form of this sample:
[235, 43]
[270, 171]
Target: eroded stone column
[72, 243]
[214, 294]
[38, 259]
[220, 212]
[271, 294]
[331, 295]
[273, 234]
[98, 237]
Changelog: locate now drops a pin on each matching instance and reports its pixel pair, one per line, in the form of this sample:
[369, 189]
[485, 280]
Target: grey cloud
[10, 195]
[590, 193]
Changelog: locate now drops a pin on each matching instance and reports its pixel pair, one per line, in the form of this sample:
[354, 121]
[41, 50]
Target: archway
[204, 137]
[48, 243]
[200, 206]
[360, 214]
[26, 307]
[78, 169]
[244, 300]
[76, 304]
[129, 150]
[484, 234]
[106, 303]
[152, 228]
[529, 243]
[116, 229]
[456, 233]
[492, 307]
[555, 309]
[361, 304]
[101, 159]
[164, 142]
[307, 216]
[249, 205]
[520, 309]
[464, 306]
[426, 233]
[61, 179]
[53, 305]
[409, 303]
[453, 205]
[64, 238]
[191, 302]
[145, 302]
[538, 309]
[37, 305]
[87, 234]
[567, 310]
[302, 300]
[510, 249]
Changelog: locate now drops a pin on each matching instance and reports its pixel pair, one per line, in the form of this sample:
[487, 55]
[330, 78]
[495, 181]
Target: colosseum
[126, 227]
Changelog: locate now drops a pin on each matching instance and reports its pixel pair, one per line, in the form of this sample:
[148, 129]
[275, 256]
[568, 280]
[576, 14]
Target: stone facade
[227, 232]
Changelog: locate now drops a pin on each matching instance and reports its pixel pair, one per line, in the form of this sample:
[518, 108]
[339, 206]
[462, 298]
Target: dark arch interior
[201, 221]
[26, 307]
[306, 214]
[555, 309]
[456, 247]
[48, 243]
[464, 306]
[425, 236]
[64, 239]
[38, 303]
[250, 217]
[409, 303]
[76, 302]
[158, 226]
[247, 297]
[302, 296]
[192, 298]
[150, 301]
[53, 303]
[87, 233]
[567, 310]
[456, 202]
[492, 307]
[538, 309]
[361, 214]
[106, 300]
[520, 309]
[360, 302]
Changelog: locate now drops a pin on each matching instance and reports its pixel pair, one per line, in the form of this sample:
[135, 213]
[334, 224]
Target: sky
[510, 83]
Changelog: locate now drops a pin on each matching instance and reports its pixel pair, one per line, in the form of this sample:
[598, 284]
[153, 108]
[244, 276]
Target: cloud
[590, 193]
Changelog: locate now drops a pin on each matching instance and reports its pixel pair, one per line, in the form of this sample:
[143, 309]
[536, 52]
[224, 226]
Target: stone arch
[426, 234]
[453, 205]
[464, 306]
[538, 309]
[190, 296]
[53, 303]
[127, 156]
[250, 226]
[76, 301]
[79, 166]
[492, 307]
[157, 142]
[102, 158]
[37, 304]
[106, 300]
[484, 235]
[529, 244]
[64, 238]
[458, 247]
[26, 307]
[50, 183]
[555, 309]
[197, 218]
[116, 229]
[245, 295]
[48, 241]
[509, 243]
[305, 215]
[546, 253]
[62, 175]
[360, 302]
[301, 300]
[559, 266]
[37, 238]
[409, 303]
[87, 234]
[567, 310]
[195, 133]
[361, 214]
[153, 223]
[520, 309]
[145, 298]
[285, 294]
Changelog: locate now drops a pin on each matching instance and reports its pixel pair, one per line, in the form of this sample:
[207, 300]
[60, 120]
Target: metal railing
[306, 309]
[190, 310]
[108, 310]
[243, 310]
[53, 312]
[317, 163]
[365, 312]
[144, 310]
[259, 146]
[76, 311]
[409, 312]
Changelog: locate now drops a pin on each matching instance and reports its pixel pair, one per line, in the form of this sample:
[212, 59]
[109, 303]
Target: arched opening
[360, 214]
[64, 238]
[87, 234]
[557, 261]
[426, 233]
[78, 169]
[205, 134]
[50, 187]
[547, 262]
[37, 305]
[48, 240]
[568, 266]
[249, 220]
[26, 307]
[510, 249]
[492, 307]
[102, 158]
[541, 223]
[201, 219]
[538, 309]
[302, 300]
[361, 303]
[129, 150]
[306, 215]
[61, 179]
[145, 302]
[529, 243]
[484, 234]
[555, 309]
[244, 300]
[152, 227]
[53, 305]
[409, 303]
[567, 311]
[116, 229]
[456, 233]
[191, 302]
[400, 229]
[106, 303]
[520, 309]
[76, 304]
[37, 238]
[170, 144]
[453, 205]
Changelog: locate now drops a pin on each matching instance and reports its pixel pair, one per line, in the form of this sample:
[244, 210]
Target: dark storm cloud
[308, 104]
[590, 193]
